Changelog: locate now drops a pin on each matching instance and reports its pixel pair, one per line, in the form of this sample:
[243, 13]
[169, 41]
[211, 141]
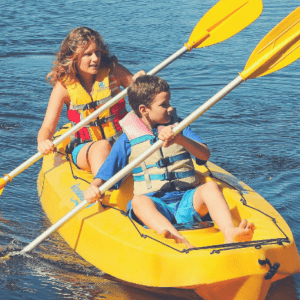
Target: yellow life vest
[106, 125]
[168, 168]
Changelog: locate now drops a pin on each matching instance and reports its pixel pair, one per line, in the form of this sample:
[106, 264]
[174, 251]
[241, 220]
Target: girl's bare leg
[97, 154]
[209, 198]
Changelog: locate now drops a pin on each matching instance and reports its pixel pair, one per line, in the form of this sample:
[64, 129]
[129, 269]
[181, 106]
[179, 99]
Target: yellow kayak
[107, 238]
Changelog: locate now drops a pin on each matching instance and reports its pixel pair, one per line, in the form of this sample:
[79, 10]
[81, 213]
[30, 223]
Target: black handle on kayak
[273, 269]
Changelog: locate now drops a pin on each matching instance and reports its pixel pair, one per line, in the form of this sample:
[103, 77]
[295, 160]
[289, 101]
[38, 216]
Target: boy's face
[160, 109]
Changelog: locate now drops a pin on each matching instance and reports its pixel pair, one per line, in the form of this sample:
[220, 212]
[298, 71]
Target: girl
[84, 77]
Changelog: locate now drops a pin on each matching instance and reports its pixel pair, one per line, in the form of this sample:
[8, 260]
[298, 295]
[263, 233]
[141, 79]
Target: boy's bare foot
[169, 235]
[243, 233]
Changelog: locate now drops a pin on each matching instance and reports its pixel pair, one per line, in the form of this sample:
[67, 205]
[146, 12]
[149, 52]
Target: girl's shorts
[80, 146]
[76, 151]
[176, 206]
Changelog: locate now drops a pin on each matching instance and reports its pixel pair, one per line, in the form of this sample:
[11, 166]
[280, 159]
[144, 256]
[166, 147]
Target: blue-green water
[252, 133]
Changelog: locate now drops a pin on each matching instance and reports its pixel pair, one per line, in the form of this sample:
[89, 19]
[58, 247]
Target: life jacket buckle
[170, 176]
[162, 163]
[101, 121]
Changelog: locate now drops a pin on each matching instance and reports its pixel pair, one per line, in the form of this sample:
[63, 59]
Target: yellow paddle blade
[224, 20]
[4, 258]
[2, 184]
[279, 48]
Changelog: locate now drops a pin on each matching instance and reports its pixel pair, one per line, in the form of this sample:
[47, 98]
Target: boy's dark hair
[144, 90]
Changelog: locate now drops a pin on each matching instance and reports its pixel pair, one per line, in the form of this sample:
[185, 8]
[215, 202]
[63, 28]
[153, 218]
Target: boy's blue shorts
[176, 206]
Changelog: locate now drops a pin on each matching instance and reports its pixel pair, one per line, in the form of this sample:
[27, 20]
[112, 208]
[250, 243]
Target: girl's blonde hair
[70, 52]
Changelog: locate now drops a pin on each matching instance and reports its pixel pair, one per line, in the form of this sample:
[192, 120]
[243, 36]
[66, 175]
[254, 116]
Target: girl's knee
[102, 145]
[99, 151]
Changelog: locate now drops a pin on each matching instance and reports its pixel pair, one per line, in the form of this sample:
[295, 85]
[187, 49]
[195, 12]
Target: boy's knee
[212, 185]
[140, 202]
[136, 202]
[206, 189]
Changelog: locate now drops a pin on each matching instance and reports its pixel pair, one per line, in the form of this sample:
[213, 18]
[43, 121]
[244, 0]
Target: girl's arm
[57, 99]
[124, 77]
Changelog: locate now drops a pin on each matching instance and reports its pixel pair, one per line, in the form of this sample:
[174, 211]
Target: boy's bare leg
[146, 211]
[209, 198]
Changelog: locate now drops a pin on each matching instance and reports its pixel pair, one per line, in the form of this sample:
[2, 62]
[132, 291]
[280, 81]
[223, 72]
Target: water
[252, 133]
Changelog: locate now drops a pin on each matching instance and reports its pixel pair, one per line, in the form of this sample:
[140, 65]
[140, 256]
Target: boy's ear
[143, 110]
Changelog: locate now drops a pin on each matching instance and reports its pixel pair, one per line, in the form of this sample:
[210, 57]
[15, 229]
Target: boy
[166, 188]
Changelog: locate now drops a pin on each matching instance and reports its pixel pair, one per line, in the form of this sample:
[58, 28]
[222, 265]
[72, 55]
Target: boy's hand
[168, 137]
[93, 194]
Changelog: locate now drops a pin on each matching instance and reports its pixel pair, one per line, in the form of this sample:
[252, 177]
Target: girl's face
[90, 59]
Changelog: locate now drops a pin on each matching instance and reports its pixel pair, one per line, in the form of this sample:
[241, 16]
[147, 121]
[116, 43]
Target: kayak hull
[107, 238]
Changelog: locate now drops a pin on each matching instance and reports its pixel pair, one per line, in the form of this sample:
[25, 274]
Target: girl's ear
[143, 110]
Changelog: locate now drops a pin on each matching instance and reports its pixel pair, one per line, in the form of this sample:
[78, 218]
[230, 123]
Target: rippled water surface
[252, 133]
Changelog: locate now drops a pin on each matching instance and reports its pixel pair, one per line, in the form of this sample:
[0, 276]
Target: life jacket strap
[91, 104]
[164, 162]
[166, 176]
[101, 121]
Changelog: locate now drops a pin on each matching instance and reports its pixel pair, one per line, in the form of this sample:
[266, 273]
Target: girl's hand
[46, 147]
[138, 74]
[93, 194]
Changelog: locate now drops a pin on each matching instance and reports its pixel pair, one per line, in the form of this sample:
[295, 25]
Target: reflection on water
[54, 265]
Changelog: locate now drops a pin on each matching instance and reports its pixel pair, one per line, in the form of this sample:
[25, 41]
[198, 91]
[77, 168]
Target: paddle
[260, 63]
[222, 21]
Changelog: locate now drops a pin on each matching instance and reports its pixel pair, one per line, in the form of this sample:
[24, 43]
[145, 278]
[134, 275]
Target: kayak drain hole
[273, 269]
